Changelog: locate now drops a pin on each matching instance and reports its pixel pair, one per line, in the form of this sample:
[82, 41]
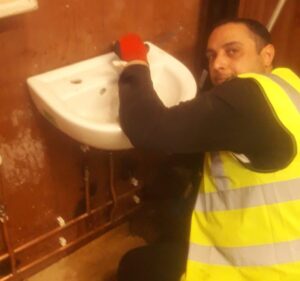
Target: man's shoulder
[238, 84]
[238, 90]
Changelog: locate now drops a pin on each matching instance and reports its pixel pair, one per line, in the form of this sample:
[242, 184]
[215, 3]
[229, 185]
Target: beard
[221, 78]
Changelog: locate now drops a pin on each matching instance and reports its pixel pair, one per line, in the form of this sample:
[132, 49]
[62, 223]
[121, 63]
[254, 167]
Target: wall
[286, 31]
[42, 174]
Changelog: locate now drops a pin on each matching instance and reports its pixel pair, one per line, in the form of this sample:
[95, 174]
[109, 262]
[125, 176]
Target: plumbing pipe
[275, 14]
[77, 241]
[112, 185]
[59, 229]
[87, 189]
[55, 231]
[5, 229]
[4, 257]
[7, 240]
[86, 179]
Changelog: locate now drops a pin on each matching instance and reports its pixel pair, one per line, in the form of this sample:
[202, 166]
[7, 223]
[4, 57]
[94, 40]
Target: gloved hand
[130, 47]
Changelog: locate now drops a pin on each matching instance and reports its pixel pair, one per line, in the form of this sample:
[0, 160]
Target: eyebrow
[229, 44]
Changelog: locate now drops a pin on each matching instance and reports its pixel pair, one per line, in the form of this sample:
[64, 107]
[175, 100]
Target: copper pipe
[128, 213]
[73, 243]
[87, 189]
[90, 212]
[71, 222]
[28, 266]
[112, 185]
[4, 219]
[4, 257]
[7, 277]
[10, 250]
[55, 231]
[98, 229]
[132, 191]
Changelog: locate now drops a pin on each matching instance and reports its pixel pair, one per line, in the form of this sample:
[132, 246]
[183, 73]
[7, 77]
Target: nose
[220, 61]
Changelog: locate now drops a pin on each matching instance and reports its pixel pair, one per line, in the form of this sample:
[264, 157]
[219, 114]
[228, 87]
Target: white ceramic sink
[82, 99]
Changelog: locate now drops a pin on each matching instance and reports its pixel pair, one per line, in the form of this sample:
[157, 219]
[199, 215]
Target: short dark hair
[263, 36]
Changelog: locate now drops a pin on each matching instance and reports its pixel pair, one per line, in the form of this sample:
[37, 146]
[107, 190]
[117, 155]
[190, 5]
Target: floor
[97, 261]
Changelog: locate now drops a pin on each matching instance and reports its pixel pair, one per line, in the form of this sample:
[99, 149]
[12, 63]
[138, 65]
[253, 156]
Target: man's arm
[233, 117]
[205, 123]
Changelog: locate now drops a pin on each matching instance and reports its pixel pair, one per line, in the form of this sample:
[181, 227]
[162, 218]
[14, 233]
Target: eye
[232, 52]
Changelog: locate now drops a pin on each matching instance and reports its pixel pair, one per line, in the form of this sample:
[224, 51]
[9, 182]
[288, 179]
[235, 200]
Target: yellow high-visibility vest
[246, 223]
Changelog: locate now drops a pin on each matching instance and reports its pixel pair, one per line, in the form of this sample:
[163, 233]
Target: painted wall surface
[42, 169]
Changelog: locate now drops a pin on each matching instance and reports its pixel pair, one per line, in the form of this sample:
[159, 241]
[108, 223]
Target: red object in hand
[131, 47]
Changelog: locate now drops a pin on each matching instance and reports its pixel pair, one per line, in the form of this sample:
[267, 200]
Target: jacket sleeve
[205, 123]
[234, 116]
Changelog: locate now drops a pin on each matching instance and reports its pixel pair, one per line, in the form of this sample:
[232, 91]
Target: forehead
[230, 32]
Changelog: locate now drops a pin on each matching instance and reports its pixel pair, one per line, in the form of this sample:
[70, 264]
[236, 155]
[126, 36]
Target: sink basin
[82, 99]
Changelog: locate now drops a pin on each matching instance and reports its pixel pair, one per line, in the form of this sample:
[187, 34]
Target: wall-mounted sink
[14, 7]
[82, 99]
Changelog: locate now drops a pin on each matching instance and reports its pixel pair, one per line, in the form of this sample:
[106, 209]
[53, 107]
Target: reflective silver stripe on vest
[246, 197]
[262, 255]
[293, 94]
[217, 172]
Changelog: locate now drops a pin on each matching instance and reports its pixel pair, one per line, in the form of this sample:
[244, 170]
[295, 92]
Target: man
[245, 224]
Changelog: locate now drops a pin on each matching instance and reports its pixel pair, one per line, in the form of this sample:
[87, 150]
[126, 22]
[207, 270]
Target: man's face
[232, 50]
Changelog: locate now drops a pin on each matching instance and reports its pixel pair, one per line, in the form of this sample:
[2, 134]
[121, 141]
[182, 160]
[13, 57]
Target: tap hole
[76, 81]
[102, 91]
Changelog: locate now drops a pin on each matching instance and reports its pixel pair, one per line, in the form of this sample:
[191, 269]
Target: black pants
[158, 262]
[165, 260]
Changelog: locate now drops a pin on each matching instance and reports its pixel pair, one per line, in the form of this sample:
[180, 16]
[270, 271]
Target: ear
[267, 54]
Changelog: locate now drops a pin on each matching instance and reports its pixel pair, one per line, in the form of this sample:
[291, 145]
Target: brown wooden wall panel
[260, 10]
[42, 175]
[286, 31]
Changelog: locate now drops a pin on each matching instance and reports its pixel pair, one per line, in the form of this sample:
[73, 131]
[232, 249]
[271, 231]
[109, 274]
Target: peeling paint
[23, 159]
[15, 116]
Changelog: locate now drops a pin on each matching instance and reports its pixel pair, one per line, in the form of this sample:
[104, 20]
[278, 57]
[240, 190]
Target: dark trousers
[173, 190]
[158, 262]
